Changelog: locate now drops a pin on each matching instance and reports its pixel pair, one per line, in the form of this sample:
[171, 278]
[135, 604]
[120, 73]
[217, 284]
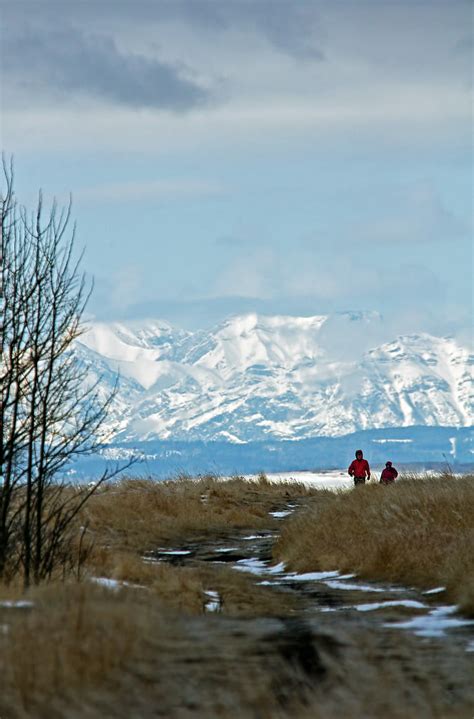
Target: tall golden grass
[141, 514]
[418, 531]
[132, 517]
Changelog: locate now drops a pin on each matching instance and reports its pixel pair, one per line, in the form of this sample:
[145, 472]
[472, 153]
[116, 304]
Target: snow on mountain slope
[255, 377]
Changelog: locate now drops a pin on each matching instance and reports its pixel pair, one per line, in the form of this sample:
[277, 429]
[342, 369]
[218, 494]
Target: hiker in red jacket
[389, 474]
[359, 468]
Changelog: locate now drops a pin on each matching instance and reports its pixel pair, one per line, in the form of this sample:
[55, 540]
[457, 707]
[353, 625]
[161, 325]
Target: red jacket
[359, 468]
[389, 474]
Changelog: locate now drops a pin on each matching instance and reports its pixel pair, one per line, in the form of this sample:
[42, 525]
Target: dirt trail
[359, 648]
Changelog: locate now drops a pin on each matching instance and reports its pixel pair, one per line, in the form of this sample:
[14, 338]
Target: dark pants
[359, 480]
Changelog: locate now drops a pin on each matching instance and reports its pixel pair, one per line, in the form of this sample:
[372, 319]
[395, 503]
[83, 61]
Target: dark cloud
[291, 26]
[69, 61]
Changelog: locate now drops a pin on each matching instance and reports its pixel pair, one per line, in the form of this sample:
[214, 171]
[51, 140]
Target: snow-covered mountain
[256, 377]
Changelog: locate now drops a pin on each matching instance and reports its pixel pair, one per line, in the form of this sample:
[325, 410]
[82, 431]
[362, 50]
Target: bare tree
[50, 410]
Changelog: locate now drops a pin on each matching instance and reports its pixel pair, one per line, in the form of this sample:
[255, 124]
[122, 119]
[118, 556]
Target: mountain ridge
[255, 377]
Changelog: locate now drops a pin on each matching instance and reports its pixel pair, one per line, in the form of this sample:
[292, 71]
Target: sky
[227, 156]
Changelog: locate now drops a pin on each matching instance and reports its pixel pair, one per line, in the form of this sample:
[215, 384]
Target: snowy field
[330, 479]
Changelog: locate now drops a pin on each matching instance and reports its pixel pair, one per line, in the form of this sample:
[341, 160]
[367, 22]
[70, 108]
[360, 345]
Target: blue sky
[223, 157]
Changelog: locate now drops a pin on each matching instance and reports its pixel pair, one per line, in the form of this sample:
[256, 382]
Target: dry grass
[419, 531]
[141, 514]
[84, 652]
[132, 517]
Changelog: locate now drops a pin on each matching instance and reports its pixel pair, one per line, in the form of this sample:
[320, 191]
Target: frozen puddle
[433, 624]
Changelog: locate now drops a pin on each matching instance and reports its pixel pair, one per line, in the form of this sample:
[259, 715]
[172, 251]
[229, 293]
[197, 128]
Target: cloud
[419, 216]
[293, 28]
[151, 190]
[68, 61]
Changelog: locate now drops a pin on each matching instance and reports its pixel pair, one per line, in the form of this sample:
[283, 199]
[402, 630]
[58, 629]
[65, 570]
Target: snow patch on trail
[258, 566]
[16, 604]
[410, 603]
[433, 624]
[436, 590]
[338, 584]
[115, 584]
[223, 550]
[312, 576]
[214, 603]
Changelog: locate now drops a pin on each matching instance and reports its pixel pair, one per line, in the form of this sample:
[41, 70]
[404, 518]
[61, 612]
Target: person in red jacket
[389, 474]
[359, 468]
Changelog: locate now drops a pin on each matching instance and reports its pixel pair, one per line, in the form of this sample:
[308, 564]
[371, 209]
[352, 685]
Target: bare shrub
[49, 411]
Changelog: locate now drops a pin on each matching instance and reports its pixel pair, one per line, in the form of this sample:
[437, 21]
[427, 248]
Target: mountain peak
[256, 376]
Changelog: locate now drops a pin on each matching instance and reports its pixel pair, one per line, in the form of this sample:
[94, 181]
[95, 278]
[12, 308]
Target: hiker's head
[359, 454]
[388, 464]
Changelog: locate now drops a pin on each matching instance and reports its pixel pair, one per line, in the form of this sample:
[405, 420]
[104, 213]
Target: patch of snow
[470, 646]
[214, 603]
[226, 549]
[114, 584]
[174, 552]
[258, 566]
[332, 479]
[411, 603]
[106, 582]
[399, 441]
[312, 576]
[433, 624]
[16, 603]
[280, 515]
[152, 560]
[436, 590]
[337, 584]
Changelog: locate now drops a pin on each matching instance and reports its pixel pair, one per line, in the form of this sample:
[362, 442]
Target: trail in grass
[330, 596]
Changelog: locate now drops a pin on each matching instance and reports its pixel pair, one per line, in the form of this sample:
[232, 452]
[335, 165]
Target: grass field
[420, 531]
[146, 647]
